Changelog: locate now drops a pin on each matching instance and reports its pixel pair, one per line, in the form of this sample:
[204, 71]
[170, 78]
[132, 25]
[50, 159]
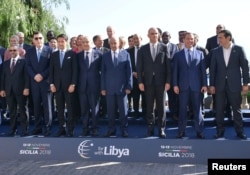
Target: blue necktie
[115, 60]
[87, 59]
[61, 57]
[189, 57]
[38, 54]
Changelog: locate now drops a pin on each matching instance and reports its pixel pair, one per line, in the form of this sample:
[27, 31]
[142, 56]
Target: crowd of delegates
[109, 80]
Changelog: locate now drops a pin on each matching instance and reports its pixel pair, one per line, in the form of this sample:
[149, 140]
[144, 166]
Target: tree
[29, 16]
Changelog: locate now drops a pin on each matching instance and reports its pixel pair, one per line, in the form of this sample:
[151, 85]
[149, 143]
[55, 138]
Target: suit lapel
[231, 55]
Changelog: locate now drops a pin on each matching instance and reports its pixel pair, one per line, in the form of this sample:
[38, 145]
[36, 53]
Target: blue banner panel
[122, 150]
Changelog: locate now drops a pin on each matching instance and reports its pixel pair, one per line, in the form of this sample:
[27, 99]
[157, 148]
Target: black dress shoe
[124, 133]
[61, 132]
[47, 132]
[85, 133]
[181, 135]
[12, 133]
[70, 133]
[110, 133]
[95, 132]
[24, 133]
[242, 136]
[37, 132]
[162, 134]
[200, 135]
[219, 135]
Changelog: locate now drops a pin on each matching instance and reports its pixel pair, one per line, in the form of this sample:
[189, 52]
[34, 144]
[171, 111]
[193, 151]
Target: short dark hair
[226, 34]
[65, 37]
[95, 37]
[36, 33]
[131, 36]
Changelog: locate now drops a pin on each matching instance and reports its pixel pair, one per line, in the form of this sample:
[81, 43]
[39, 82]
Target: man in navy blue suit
[89, 63]
[37, 63]
[116, 83]
[229, 75]
[189, 81]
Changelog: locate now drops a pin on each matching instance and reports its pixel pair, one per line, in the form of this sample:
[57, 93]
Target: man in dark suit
[63, 79]
[173, 99]
[116, 83]
[212, 43]
[110, 32]
[154, 73]
[189, 81]
[136, 92]
[15, 86]
[89, 63]
[229, 75]
[98, 42]
[37, 63]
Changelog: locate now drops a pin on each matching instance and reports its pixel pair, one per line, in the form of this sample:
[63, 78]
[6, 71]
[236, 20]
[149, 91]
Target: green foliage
[28, 16]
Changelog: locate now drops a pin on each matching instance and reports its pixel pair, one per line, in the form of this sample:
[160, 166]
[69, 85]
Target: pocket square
[68, 57]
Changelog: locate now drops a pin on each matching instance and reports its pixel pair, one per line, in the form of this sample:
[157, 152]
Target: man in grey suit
[153, 73]
[229, 75]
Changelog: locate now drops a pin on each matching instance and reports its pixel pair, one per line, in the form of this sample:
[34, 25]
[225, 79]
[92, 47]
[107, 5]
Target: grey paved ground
[16, 167]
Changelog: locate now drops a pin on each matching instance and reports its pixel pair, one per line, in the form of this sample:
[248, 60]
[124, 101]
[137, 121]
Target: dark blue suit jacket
[42, 67]
[89, 76]
[236, 69]
[193, 76]
[116, 79]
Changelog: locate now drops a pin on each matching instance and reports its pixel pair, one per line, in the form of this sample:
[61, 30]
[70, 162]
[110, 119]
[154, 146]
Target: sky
[127, 17]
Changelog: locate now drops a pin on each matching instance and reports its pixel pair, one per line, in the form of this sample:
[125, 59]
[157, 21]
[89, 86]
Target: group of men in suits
[147, 70]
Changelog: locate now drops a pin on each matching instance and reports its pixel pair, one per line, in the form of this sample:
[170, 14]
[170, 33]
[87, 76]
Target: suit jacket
[102, 50]
[89, 75]
[172, 50]
[65, 75]
[16, 81]
[212, 43]
[235, 73]
[106, 43]
[42, 67]
[26, 46]
[159, 69]
[193, 76]
[205, 54]
[116, 79]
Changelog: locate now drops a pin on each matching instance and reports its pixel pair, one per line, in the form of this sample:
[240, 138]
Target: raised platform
[188, 151]
[135, 148]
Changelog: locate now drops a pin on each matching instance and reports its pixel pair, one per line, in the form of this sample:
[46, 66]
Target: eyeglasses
[219, 27]
[12, 50]
[37, 38]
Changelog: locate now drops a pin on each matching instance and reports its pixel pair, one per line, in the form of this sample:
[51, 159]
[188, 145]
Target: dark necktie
[115, 60]
[12, 66]
[189, 57]
[87, 59]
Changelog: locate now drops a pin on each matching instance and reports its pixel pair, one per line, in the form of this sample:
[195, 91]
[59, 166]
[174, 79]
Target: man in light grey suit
[228, 66]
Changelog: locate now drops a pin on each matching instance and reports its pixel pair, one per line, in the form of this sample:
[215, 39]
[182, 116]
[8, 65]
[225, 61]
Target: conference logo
[87, 148]
[84, 148]
[35, 149]
[176, 151]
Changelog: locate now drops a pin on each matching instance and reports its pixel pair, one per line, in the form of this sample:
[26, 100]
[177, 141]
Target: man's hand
[141, 86]
[176, 90]
[38, 78]
[212, 89]
[26, 92]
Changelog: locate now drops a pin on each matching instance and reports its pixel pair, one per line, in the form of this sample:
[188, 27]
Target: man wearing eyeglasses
[38, 61]
[15, 86]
